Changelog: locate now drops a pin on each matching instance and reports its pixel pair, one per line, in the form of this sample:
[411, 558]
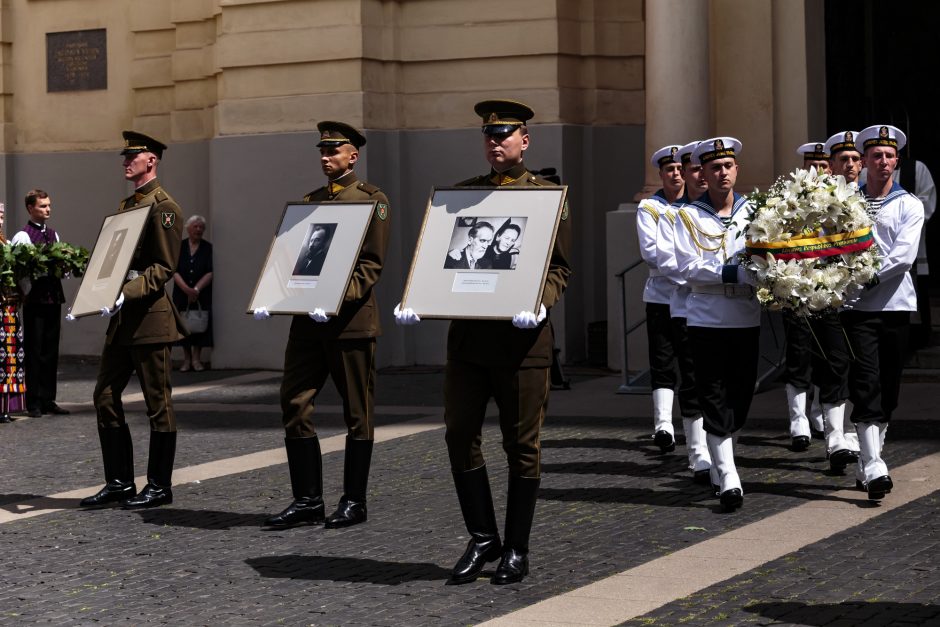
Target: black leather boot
[159, 472]
[305, 463]
[117, 452]
[476, 505]
[520, 508]
[352, 507]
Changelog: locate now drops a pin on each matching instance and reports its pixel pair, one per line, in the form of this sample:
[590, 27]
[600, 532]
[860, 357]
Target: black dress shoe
[838, 460]
[817, 434]
[512, 568]
[800, 443]
[150, 496]
[732, 499]
[471, 563]
[52, 408]
[33, 413]
[701, 477]
[347, 513]
[5, 418]
[112, 492]
[303, 511]
[878, 488]
[860, 486]
[716, 490]
[665, 441]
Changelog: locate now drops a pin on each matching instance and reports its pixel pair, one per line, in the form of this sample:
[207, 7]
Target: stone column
[677, 77]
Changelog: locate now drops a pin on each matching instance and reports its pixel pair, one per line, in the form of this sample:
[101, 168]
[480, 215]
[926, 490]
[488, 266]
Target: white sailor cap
[715, 148]
[685, 152]
[813, 150]
[880, 135]
[665, 156]
[843, 140]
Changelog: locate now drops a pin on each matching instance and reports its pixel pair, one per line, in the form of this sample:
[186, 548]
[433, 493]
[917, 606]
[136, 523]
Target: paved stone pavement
[609, 502]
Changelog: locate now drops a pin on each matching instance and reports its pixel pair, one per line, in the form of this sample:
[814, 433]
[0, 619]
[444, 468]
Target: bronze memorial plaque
[77, 60]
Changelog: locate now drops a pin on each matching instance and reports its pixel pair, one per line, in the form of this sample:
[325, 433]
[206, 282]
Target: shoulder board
[161, 195]
[538, 180]
[671, 216]
[368, 188]
[476, 180]
[310, 195]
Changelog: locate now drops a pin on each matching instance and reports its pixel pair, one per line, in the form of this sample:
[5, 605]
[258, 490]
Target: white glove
[69, 317]
[405, 317]
[318, 315]
[746, 277]
[261, 313]
[528, 320]
[108, 313]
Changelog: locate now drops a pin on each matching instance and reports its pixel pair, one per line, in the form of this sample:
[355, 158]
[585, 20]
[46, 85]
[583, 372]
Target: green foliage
[25, 261]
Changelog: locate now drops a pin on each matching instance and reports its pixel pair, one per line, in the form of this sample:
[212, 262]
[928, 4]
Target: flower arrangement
[26, 261]
[809, 243]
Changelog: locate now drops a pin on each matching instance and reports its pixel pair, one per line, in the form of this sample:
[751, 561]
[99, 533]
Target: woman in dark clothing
[193, 286]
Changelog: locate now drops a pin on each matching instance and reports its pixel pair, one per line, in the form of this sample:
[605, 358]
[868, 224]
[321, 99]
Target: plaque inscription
[77, 60]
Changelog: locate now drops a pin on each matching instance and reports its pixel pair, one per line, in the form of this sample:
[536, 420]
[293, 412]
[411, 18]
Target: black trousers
[831, 358]
[42, 325]
[662, 347]
[879, 342]
[689, 406]
[800, 350]
[725, 374]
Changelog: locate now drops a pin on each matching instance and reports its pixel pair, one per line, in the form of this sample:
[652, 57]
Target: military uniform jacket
[658, 289]
[358, 316]
[898, 224]
[496, 342]
[707, 255]
[666, 257]
[148, 316]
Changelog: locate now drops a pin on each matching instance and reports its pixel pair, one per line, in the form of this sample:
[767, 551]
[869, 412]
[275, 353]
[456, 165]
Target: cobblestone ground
[609, 501]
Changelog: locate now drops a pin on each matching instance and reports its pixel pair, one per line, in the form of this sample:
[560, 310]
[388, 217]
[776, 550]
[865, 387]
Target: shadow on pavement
[613, 443]
[612, 468]
[662, 498]
[848, 613]
[200, 519]
[351, 569]
[12, 502]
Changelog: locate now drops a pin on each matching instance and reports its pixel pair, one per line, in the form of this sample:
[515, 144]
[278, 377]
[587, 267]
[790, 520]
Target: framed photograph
[109, 262]
[483, 252]
[312, 257]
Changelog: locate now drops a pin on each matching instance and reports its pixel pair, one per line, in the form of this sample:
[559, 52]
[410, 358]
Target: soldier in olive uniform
[342, 347]
[143, 326]
[507, 361]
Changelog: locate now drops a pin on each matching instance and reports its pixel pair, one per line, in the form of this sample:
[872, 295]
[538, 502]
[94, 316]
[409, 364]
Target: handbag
[197, 320]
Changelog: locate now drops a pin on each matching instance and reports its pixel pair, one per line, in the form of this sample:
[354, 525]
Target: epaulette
[307, 197]
[161, 196]
[538, 180]
[368, 188]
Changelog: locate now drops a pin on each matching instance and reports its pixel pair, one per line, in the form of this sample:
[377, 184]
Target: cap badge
[883, 131]
[674, 150]
[719, 144]
[848, 136]
[819, 148]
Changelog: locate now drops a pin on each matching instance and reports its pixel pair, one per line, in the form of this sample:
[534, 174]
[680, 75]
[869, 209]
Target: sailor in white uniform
[723, 312]
[877, 323]
[700, 463]
[801, 345]
[657, 293]
[831, 364]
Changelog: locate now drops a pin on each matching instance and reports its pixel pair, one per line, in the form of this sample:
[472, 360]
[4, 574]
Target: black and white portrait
[314, 250]
[485, 243]
[114, 249]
